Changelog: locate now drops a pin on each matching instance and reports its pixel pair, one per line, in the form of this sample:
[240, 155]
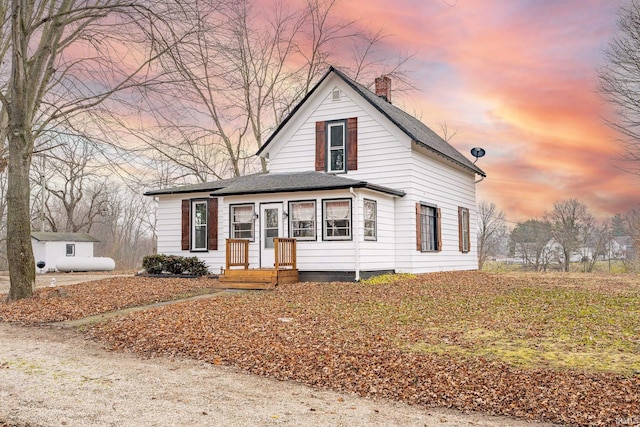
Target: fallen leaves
[378, 339]
[85, 299]
[352, 337]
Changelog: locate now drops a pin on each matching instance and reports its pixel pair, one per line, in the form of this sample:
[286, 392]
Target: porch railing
[237, 253]
[285, 252]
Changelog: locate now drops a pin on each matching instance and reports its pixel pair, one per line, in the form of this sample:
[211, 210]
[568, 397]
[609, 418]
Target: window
[71, 249]
[242, 220]
[336, 146]
[302, 220]
[370, 220]
[199, 225]
[336, 219]
[428, 228]
[463, 229]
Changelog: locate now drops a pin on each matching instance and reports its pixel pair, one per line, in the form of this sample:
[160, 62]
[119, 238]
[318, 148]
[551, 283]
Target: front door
[270, 228]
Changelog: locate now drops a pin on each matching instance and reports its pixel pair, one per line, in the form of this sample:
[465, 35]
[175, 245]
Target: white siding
[447, 187]
[383, 151]
[169, 231]
[386, 157]
[49, 252]
[317, 255]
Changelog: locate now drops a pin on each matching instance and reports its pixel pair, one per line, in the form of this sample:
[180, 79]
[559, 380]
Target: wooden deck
[257, 278]
[284, 270]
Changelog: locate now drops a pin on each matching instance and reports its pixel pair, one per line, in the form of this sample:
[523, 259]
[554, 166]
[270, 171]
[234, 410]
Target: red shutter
[186, 229]
[418, 230]
[439, 230]
[352, 144]
[321, 147]
[460, 223]
[212, 224]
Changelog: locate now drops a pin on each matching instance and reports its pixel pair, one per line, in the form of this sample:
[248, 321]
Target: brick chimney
[383, 88]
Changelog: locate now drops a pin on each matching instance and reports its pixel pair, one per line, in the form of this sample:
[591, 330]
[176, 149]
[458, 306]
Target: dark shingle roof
[278, 183]
[412, 127]
[191, 188]
[62, 237]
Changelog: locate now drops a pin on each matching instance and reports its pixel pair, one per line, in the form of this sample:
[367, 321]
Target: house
[363, 187]
[49, 246]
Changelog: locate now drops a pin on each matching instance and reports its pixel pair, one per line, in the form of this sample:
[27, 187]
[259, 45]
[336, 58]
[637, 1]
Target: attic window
[335, 95]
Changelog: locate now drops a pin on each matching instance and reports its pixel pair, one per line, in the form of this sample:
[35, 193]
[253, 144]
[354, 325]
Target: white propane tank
[72, 263]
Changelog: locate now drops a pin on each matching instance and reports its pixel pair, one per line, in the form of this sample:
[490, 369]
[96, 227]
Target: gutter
[357, 231]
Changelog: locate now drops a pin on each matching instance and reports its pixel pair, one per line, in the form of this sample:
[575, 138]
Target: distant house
[363, 187]
[49, 246]
[621, 247]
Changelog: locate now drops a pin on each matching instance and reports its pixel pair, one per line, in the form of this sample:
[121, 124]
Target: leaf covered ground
[77, 301]
[561, 348]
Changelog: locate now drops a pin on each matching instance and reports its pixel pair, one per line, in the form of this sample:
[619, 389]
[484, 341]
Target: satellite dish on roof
[477, 152]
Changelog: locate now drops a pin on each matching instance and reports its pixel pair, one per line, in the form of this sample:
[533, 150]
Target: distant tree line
[566, 234]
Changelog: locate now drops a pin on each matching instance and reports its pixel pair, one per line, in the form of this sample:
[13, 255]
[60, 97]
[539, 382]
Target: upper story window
[428, 228]
[302, 220]
[336, 144]
[463, 229]
[199, 221]
[242, 222]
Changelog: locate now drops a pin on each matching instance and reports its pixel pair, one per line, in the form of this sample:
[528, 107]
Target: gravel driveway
[53, 377]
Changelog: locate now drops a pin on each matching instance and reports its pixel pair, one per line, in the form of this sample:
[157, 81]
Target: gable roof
[277, 183]
[412, 127]
[62, 237]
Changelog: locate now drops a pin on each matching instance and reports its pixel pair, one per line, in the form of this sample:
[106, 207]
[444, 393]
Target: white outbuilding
[49, 247]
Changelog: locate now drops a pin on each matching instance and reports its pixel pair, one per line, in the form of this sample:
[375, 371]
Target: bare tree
[126, 230]
[3, 221]
[75, 186]
[620, 81]
[491, 229]
[50, 85]
[530, 240]
[241, 72]
[594, 244]
[570, 219]
[632, 226]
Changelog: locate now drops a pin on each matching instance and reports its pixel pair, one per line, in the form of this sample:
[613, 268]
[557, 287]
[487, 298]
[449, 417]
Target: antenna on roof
[477, 152]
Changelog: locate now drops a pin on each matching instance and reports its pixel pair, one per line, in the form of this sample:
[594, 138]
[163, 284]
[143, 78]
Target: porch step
[246, 285]
[258, 278]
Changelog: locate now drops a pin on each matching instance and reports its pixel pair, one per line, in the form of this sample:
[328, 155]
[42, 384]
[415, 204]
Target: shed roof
[277, 183]
[62, 237]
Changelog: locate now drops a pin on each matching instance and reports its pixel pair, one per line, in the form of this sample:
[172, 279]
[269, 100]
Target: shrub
[173, 264]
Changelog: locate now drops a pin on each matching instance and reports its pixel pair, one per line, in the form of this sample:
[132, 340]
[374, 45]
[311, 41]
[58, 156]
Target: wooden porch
[238, 275]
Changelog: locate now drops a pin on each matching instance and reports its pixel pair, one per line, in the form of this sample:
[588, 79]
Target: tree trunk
[22, 271]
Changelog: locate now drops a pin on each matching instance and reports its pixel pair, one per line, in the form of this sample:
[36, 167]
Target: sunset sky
[518, 78]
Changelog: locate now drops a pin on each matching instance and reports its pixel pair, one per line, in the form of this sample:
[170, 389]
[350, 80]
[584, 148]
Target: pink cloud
[520, 79]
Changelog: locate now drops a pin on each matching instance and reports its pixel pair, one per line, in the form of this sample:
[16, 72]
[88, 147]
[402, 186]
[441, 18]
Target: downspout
[357, 232]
